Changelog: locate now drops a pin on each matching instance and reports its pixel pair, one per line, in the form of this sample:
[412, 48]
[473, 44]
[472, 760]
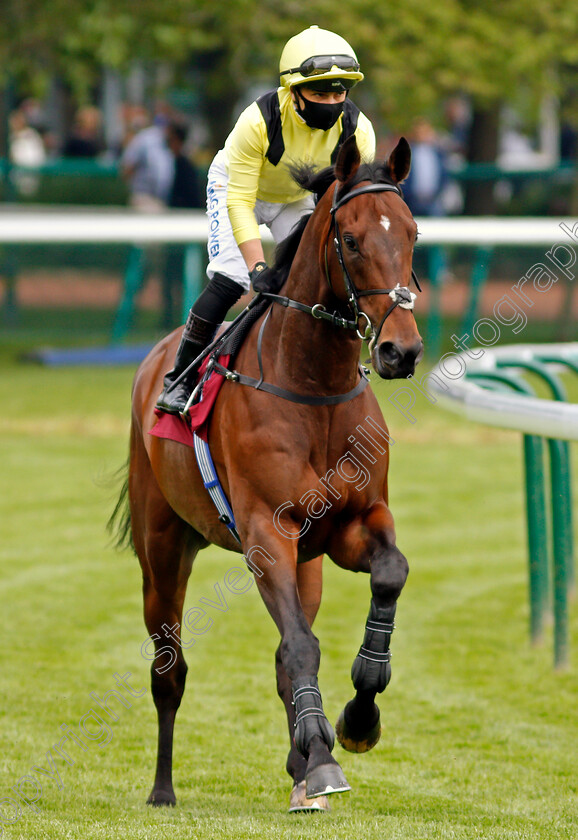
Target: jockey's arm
[252, 251]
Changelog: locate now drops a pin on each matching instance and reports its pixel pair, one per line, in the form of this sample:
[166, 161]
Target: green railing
[485, 394]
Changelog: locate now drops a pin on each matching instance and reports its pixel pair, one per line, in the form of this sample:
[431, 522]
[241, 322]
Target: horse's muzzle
[396, 361]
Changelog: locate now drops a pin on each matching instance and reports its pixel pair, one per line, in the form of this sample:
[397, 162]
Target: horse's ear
[348, 160]
[399, 161]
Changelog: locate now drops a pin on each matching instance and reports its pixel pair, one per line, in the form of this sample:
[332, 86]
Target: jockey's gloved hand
[260, 277]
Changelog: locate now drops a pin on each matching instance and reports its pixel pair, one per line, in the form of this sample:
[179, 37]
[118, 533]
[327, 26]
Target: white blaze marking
[385, 222]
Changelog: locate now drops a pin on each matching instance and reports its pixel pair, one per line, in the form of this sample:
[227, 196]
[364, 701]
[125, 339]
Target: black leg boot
[196, 336]
[207, 313]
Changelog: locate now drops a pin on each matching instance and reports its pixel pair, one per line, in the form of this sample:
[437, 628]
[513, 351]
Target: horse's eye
[350, 242]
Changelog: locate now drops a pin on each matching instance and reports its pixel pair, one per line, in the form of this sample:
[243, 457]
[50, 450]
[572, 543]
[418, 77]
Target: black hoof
[160, 798]
[326, 779]
[354, 739]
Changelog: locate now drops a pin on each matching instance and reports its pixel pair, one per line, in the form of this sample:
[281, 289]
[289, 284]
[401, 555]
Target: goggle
[331, 85]
[317, 64]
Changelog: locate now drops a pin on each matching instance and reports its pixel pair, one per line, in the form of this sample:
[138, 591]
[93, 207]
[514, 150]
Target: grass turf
[480, 734]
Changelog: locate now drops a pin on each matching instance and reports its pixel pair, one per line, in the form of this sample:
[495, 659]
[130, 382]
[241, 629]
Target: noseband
[400, 295]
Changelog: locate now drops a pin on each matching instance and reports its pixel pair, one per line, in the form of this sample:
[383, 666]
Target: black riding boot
[196, 336]
[207, 313]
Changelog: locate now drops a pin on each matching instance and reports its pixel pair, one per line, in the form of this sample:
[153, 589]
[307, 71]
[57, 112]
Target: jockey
[249, 183]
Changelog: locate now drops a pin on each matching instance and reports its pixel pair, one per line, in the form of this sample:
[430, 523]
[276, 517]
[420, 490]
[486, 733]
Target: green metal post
[536, 511]
[9, 270]
[479, 275]
[561, 549]
[562, 517]
[436, 266]
[561, 513]
[548, 357]
[6, 168]
[537, 530]
[8, 262]
[133, 281]
[193, 276]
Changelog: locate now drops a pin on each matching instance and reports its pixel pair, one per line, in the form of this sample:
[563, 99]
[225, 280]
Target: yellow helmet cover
[315, 55]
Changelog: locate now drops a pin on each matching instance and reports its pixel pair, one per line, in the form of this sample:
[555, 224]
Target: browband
[367, 189]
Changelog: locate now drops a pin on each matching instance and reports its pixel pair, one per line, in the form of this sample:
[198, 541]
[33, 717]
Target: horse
[303, 466]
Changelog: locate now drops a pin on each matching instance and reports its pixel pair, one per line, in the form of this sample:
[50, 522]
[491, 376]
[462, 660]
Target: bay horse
[287, 465]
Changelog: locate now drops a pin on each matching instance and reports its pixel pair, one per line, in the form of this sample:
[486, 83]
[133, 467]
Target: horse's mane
[318, 181]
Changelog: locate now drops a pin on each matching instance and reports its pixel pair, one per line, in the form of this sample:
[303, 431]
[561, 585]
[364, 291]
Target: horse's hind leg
[168, 674]
[165, 550]
[309, 585]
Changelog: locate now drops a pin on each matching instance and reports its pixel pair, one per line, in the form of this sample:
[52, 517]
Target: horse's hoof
[325, 780]
[160, 798]
[299, 802]
[354, 741]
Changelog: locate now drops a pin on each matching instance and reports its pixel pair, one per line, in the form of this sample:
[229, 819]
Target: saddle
[208, 384]
[194, 430]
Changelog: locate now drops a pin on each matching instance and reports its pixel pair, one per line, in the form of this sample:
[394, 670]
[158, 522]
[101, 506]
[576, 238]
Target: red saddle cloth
[173, 427]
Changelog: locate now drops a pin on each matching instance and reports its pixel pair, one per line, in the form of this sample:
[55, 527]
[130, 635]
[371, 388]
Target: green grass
[480, 733]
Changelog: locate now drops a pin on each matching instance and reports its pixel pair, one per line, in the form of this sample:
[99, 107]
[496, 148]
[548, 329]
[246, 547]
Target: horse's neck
[311, 350]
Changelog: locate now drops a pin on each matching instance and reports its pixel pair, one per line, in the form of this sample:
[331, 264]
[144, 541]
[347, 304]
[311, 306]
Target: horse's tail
[119, 524]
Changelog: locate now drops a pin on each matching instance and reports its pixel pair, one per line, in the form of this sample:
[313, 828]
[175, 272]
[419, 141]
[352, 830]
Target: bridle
[400, 295]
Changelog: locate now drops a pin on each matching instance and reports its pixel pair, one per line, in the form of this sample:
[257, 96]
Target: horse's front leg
[274, 561]
[358, 728]
[309, 587]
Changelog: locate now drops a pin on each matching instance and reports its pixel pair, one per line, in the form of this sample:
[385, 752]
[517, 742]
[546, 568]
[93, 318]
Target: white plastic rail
[530, 415]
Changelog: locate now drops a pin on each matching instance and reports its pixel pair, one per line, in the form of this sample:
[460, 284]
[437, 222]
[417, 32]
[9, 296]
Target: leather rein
[400, 295]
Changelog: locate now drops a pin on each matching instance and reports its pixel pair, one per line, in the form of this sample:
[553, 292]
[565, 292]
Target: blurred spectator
[428, 177]
[516, 149]
[134, 118]
[85, 140]
[185, 190]
[458, 119]
[147, 164]
[26, 148]
[424, 188]
[185, 193]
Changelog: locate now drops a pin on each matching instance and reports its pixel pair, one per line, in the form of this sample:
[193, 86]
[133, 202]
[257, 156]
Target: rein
[400, 295]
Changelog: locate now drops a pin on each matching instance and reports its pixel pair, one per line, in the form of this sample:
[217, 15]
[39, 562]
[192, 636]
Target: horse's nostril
[389, 354]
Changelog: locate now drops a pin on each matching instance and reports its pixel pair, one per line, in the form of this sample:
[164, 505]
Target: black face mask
[318, 114]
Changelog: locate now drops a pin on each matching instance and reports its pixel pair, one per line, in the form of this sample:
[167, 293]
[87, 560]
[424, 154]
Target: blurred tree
[74, 39]
[414, 53]
[417, 54]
